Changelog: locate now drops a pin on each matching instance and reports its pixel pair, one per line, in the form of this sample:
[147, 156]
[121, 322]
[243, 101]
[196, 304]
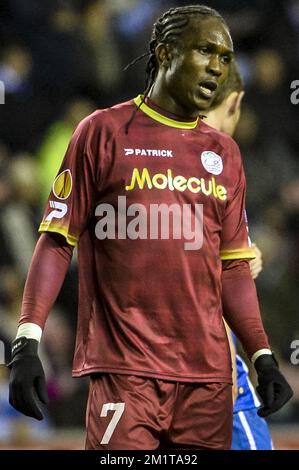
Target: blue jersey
[250, 432]
[246, 398]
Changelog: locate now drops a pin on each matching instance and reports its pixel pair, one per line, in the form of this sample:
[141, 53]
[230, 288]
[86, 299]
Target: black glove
[272, 387]
[27, 379]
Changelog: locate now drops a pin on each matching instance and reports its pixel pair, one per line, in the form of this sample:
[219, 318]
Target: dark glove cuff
[265, 361]
[24, 345]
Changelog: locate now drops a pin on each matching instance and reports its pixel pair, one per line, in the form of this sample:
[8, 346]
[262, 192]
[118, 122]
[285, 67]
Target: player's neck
[161, 97]
[152, 104]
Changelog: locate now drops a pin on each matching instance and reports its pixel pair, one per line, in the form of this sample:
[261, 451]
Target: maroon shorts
[129, 412]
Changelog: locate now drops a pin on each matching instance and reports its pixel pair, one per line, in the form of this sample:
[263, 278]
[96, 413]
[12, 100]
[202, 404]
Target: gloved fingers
[264, 411]
[267, 396]
[29, 405]
[270, 394]
[27, 385]
[23, 400]
[281, 395]
[267, 393]
[41, 389]
[261, 392]
[13, 396]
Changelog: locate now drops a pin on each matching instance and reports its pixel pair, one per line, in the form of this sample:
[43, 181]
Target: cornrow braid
[166, 30]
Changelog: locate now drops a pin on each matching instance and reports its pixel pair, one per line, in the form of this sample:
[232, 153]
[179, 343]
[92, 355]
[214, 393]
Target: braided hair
[166, 30]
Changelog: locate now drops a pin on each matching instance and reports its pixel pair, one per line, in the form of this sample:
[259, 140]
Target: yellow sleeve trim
[44, 227]
[242, 253]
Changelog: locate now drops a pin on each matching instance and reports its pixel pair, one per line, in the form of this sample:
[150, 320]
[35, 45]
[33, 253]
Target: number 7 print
[118, 409]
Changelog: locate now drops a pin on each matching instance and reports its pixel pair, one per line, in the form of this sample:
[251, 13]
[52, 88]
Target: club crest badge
[212, 162]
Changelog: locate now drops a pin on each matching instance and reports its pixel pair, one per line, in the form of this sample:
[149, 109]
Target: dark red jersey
[153, 204]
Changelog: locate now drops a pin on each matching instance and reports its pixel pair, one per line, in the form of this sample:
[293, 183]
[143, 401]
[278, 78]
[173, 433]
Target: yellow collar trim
[163, 119]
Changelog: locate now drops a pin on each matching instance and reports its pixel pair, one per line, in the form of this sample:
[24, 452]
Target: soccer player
[250, 431]
[154, 200]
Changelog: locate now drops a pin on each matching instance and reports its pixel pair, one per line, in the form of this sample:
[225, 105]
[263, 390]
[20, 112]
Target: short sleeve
[72, 197]
[235, 241]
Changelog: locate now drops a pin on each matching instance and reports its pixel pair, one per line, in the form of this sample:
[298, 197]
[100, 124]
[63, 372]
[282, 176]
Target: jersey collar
[162, 118]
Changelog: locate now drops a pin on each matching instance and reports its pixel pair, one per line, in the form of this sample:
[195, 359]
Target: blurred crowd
[62, 59]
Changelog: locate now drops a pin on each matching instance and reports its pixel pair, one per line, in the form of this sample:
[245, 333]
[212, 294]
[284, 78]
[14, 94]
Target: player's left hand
[272, 387]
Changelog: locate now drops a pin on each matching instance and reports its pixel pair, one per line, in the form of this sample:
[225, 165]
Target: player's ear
[163, 54]
[239, 100]
[234, 101]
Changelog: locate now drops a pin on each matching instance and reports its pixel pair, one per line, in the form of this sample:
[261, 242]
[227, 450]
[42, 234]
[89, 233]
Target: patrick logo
[212, 162]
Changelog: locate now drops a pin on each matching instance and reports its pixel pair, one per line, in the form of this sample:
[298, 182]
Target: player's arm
[242, 313]
[240, 306]
[256, 266]
[239, 297]
[67, 214]
[50, 262]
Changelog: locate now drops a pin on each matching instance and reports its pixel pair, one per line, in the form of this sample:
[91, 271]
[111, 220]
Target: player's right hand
[27, 382]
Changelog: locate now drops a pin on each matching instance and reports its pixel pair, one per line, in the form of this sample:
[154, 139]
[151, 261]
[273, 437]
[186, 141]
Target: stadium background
[60, 60]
